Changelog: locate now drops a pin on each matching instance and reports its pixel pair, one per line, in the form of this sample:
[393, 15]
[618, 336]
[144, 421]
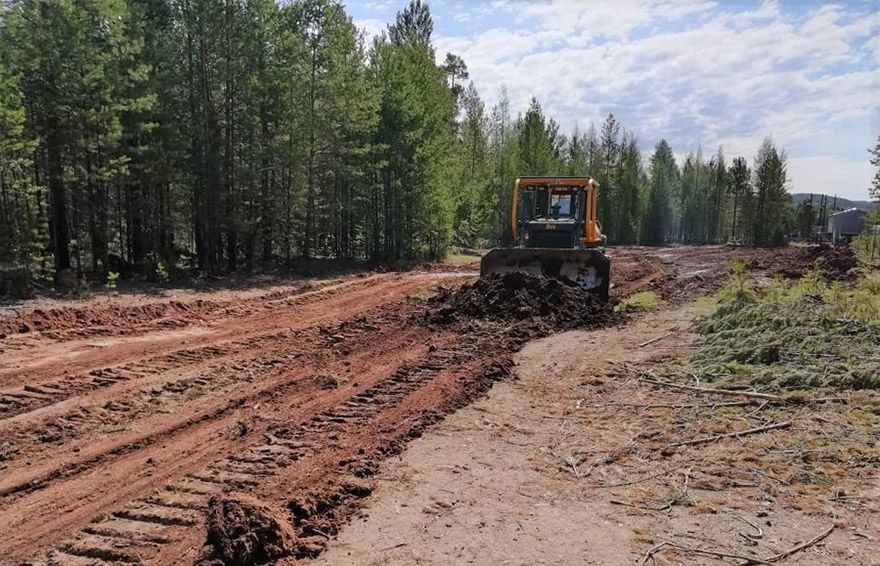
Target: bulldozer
[555, 234]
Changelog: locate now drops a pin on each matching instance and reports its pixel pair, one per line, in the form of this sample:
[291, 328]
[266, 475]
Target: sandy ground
[536, 473]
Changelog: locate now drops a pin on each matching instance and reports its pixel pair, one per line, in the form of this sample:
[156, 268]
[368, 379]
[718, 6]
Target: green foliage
[112, 278]
[875, 161]
[866, 245]
[809, 334]
[739, 188]
[641, 301]
[772, 201]
[738, 288]
[230, 134]
[539, 151]
[657, 224]
[161, 272]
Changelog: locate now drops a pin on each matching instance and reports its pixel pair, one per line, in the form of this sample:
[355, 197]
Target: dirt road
[119, 419]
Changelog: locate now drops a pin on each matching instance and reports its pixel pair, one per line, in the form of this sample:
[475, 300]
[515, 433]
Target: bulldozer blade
[589, 269]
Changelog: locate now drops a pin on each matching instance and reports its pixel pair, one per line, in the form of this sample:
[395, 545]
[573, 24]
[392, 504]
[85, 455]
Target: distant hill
[842, 203]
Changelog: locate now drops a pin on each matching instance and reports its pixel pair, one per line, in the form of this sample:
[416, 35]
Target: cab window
[560, 205]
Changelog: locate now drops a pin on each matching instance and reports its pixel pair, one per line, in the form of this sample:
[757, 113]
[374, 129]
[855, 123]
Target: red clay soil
[116, 319]
[114, 442]
[244, 530]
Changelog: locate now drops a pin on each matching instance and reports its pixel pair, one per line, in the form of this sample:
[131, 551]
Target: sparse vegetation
[866, 246]
[162, 273]
[112, 278]
[641, 301]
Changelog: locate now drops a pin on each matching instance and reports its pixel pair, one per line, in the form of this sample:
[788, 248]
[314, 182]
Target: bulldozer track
[81, 445]
[162, 522]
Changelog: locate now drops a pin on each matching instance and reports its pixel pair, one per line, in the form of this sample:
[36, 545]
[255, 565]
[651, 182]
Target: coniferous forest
[224, 135]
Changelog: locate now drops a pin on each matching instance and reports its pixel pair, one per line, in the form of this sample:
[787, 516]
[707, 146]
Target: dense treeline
[138, 135]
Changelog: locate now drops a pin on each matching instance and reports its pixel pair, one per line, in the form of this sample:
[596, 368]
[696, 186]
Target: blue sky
[700, 73]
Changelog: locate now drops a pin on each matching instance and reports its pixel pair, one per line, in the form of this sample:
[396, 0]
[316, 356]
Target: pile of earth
[835, 263]
[518, 297]
[243, 531]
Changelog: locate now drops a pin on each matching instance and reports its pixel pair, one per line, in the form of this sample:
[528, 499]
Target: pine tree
[457, 71]
[504, 167]
[575, 155]
[22, 222]
[608, 202]
[471, 219]
[538, 149]
[874, 189]
[717, 202]
[413, 26]
[416, 135]
[773, 202]
[628, 176]
[739, 187]
[657, 224]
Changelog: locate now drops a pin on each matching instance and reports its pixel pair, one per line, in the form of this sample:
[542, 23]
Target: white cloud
[371, 27]
[606, 19]
[830, 175]
[692, 72]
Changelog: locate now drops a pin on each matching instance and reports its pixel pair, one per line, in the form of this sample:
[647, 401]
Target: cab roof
[556, 181]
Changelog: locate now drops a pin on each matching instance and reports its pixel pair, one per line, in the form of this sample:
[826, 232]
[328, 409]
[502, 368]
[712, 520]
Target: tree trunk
[58, 199]
[310, 189]
[733, 229]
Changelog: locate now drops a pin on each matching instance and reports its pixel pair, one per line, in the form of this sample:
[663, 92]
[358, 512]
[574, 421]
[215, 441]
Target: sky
[699, 73]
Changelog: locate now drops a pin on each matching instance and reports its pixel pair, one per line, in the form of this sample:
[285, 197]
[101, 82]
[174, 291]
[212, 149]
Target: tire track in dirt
[293, 354]
[43, 355]
[32, 388]
[118, 423]
[189, 445]
[110, 319]
[344, 440]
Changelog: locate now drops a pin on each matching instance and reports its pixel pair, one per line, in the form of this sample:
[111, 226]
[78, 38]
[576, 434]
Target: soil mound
[835, 263]
[243, 531]
[520, 296]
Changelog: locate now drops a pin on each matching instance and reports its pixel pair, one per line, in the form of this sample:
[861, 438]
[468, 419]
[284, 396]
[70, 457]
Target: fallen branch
[657, 339]
[800, 547]
[770, 476]
[704, 551]
[657, 475]
[750, 537]
[665, 507]
[761, 406]
[671, 405]
[752, 394]
[784, 424]
[570, 461]
[398, 545]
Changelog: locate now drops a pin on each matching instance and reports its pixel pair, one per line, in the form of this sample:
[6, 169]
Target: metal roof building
[846, 224]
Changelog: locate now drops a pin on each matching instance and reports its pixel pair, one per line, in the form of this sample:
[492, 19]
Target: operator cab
[553, 212]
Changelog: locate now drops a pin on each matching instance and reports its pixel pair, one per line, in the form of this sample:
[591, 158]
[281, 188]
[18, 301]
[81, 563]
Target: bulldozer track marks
[112, 457]
[143, 528]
